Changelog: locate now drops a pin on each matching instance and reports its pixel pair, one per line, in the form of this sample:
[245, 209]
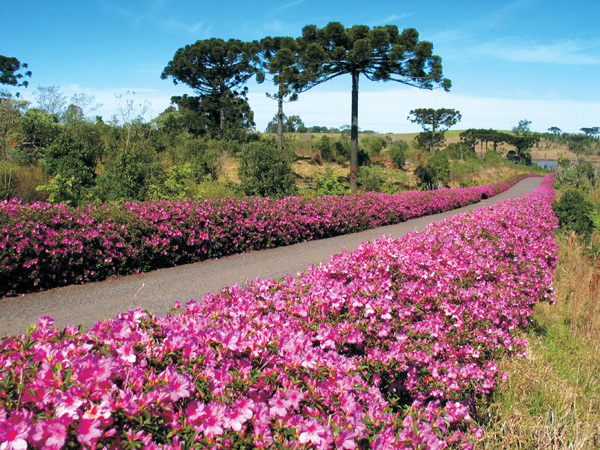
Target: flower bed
[385, 347]
[44, 245]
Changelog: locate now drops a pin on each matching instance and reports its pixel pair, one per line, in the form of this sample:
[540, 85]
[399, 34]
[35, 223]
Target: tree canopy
[215, 69]
[380, 54]
[278, 56]
[9, 71]
[434, 123]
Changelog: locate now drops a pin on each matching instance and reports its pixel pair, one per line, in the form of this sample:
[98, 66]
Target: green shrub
[398, 153]
[435, 173]
[265, 171]
[204, 156]
[326, 148]
[374, 144]
[67, 190]
[574, 212]
[371, 179]
[178, 184]
[330, 185]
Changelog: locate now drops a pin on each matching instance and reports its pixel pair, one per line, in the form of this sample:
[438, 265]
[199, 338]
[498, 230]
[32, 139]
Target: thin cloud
[288, 5]
[392, 18]
[189, 28]
[564, 52]
[499, 16]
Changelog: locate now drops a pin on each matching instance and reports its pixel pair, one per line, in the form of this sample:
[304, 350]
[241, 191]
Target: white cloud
[189, 28]
[288, 5]
[391, 18]
[563, 52]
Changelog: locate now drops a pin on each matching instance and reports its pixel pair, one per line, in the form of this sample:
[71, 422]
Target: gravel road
[156, 291]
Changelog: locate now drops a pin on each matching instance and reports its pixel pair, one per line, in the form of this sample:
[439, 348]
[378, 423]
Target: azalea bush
[389, 346]
[44, 245]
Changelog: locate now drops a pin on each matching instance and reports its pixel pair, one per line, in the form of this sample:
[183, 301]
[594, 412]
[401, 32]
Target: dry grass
[229, 169]
[551, 399]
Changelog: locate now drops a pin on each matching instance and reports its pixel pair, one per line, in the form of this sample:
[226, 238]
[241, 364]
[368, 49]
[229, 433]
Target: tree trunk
[432, 148]
[354, 134]
[221, 119]
[280, 122]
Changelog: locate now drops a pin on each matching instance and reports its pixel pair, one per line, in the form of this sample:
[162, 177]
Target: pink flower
[13, 437]
[346, 440]
[213, 422]
[230, 341]
[126, 353]
[311, 431]
[295, 397]
[234, 420]
[68, 405]
[51, 434]
[279, 406]
[179, 386]
[89, 431]
[245, 406]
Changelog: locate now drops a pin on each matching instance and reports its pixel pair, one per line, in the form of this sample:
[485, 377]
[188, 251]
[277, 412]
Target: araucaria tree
[217, 71]
[10, 68]
[381, 54]
[278, 57]
[434, 122]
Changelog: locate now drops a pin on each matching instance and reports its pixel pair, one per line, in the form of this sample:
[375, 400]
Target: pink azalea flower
[51, 434]
[295, 397]
[345, 439]
[311, 431]
[234, 419]
[179, 386]
[212, 425]
[13, 437]
[88, 431]
[245, 406]
[126, 353]
[68, 405]
[279, 406]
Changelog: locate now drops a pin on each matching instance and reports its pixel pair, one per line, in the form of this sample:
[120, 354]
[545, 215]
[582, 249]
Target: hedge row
[44, 245]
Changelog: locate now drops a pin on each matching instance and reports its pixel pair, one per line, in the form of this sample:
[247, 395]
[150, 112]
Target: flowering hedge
[385, 347]
[44, 245]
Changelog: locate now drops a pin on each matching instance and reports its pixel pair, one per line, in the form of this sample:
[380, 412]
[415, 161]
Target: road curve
[156, 291]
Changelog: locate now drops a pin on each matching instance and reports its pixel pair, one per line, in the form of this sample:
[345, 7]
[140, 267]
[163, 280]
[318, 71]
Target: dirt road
[156, 291]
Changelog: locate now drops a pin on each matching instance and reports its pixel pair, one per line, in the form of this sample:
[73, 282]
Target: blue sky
[507, 60]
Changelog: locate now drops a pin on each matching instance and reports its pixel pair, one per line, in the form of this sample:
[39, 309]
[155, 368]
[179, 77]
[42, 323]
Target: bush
[71, 157]
[266, 172]
[384, 347]
[398, 153]
[330, 185]
[573, 211]
[205, 157]
[326, 148]
[436, 172]
[374, 144]
[371, 179]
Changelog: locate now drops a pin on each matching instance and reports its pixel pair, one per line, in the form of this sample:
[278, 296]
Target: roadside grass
[551, 398]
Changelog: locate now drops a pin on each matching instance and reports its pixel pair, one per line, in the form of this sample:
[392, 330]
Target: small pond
[545, 164]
